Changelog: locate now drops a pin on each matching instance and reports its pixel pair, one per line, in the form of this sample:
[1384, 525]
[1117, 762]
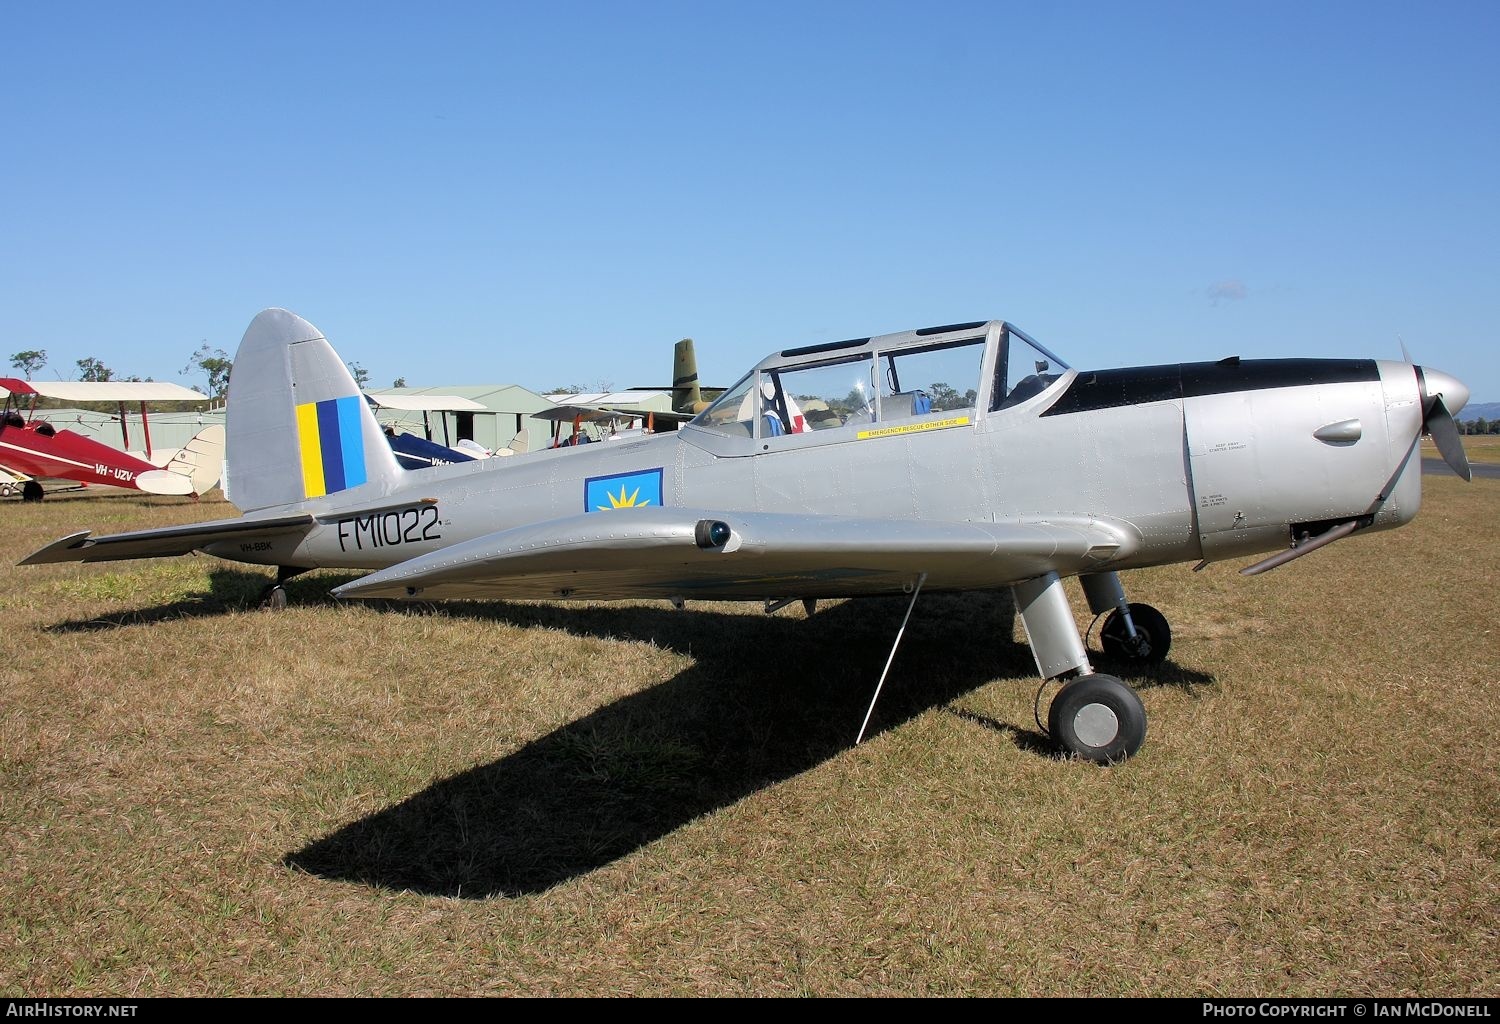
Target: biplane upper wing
[694, 553]
[168, 540]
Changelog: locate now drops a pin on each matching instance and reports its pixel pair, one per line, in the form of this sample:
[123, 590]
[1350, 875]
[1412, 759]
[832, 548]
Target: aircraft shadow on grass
[235, 590]
[767, 699]
[229, 590]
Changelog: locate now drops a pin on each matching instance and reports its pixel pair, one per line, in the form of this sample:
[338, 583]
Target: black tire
[1153, 636]
[274, 599]
[32, 491]
[1098, 718]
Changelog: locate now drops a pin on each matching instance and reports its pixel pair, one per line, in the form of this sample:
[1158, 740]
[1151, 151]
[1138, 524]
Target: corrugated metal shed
[507, 409]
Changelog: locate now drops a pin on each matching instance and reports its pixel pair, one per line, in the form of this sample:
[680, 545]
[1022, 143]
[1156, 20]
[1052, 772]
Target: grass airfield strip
[198, 797]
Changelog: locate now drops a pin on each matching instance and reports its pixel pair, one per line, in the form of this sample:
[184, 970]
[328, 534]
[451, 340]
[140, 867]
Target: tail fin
[201, 460]
[297, 425]
[685, 394]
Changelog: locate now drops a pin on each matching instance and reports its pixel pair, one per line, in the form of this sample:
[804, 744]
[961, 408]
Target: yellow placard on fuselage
[914, 428]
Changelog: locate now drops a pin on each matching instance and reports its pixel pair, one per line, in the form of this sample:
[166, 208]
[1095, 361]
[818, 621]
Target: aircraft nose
[1455, 395]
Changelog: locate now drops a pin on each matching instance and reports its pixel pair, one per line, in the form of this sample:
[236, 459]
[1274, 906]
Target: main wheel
[1098, 718]
[273, 598]
[1153, 636]
[32, 491]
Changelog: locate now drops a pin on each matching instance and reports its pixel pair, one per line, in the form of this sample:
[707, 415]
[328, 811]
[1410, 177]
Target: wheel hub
[1096, 725]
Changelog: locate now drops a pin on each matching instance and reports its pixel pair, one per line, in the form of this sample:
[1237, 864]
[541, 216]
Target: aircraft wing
[103, 391]
[169, 540]
[584, 413]
[426, 403]
[662, 415]
[688, 553]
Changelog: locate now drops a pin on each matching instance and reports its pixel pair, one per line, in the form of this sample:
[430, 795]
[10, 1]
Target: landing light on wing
[711, 533]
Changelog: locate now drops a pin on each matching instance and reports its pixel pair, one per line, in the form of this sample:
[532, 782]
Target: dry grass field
[1483, 448]
[201, 798]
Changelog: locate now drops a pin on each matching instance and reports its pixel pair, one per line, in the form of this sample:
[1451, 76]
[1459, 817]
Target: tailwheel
[1152, 640]
[1098, 718]
[274, 596]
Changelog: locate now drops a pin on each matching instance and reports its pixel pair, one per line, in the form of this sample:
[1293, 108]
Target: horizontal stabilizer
[675, 552]
[163, 481]
[169, 540]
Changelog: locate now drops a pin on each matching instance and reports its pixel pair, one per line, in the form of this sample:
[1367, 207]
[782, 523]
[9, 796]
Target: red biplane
[32, 446]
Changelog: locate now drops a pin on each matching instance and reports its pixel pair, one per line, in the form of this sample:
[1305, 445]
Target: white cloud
[1232, 290]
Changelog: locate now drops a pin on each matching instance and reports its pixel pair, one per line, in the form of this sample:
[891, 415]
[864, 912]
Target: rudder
[298, 427]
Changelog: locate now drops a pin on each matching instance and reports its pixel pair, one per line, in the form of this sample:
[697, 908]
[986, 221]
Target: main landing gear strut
[1095, 716]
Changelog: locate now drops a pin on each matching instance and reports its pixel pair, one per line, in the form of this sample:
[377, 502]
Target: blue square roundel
[623, 490]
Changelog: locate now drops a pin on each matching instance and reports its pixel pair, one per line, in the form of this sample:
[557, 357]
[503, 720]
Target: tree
[91, 369]
[215, 364]
[399, 382]
[360, 374]
[945, 397]
[856, 401]
[30, 361]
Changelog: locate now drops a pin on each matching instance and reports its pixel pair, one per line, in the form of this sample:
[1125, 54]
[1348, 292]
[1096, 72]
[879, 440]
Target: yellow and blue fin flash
[333, 445]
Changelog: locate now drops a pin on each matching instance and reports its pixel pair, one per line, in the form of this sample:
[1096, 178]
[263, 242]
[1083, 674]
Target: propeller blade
[1444, 433]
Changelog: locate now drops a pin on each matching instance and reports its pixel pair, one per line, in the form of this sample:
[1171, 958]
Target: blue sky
[553, 193]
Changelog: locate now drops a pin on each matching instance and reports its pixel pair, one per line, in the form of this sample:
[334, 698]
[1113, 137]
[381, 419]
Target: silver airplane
[955, 458]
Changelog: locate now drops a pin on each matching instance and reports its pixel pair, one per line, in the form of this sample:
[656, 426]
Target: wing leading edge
[675, 552]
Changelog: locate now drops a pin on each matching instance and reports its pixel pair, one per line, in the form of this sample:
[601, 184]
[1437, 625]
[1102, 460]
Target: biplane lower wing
[694, 553]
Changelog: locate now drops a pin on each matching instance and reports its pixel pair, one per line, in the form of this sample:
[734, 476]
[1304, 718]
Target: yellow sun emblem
[622, 500]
